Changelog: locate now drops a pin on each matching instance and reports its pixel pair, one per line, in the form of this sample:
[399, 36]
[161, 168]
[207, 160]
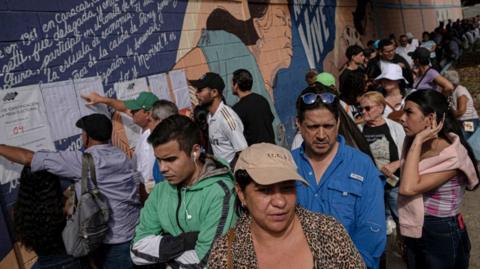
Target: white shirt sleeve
[144, 157]
[234, 131]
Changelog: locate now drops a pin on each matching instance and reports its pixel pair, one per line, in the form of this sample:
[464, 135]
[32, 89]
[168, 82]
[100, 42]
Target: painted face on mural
[275, 31]
[275, 43]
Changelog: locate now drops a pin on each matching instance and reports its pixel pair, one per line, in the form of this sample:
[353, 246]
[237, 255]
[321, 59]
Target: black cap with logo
[211, 80]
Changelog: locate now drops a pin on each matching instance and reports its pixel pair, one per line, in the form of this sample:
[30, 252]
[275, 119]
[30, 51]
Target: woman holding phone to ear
[437, 167]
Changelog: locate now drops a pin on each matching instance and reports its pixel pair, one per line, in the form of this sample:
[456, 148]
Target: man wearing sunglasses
[343, 182]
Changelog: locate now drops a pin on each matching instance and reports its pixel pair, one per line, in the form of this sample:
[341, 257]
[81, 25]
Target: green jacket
[205, 207]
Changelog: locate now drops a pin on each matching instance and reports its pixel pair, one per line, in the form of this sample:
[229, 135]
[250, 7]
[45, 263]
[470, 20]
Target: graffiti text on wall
[316, 28]
[121, 37]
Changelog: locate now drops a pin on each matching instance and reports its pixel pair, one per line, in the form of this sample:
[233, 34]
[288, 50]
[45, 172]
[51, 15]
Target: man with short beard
[225, 129]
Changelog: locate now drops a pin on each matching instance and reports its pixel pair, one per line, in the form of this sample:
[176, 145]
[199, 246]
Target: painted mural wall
[47, 41]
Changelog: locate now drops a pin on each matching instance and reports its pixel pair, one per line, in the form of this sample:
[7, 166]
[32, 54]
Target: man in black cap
[140, 109]
[225, 129]
[116, 177]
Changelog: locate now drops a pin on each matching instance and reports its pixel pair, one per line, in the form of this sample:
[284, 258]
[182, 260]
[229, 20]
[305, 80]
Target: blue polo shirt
[157, 175]
[351, 190]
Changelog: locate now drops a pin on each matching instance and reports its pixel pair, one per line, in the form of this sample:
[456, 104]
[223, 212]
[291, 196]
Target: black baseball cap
[420, 53]
[211, 80]
[97, 126]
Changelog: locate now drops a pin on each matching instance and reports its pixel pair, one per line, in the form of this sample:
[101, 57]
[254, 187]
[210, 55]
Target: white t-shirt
[403, 51]
[470, 113]
[144, 157]
[225, 133]
[415, 43]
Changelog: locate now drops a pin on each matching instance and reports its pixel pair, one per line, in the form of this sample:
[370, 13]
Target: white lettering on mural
[76, 41]
[312, 28]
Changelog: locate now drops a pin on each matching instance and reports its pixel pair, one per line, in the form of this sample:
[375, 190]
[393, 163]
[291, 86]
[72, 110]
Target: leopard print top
[328, 240]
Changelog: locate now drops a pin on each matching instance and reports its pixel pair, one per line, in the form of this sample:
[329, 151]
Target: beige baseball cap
[268, 164]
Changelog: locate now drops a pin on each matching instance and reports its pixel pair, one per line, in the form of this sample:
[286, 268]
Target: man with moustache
[343, 182]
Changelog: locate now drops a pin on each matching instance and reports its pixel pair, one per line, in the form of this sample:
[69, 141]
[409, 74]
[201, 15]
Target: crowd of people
[386, 149]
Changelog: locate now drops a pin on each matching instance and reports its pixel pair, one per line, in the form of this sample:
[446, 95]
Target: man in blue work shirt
[344, 182]
[116, 177]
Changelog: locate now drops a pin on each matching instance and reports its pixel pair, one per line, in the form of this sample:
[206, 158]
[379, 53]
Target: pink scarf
[410, 208]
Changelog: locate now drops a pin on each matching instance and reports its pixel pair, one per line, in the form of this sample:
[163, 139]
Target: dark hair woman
[39, 220]
[438, 166]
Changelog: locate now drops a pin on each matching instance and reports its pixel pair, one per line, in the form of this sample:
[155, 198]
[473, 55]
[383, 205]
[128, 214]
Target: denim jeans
[391, 197]
[444, 244]
[113, 256]
[60, 262]
[476, 123]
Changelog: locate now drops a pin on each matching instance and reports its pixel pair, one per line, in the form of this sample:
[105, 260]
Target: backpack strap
[421, 79]
[230, 239]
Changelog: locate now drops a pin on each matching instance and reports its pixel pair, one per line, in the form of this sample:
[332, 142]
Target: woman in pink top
[437, 166]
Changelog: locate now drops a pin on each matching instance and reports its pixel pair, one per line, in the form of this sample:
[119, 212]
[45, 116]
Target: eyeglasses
[366, 108]
[325, 97]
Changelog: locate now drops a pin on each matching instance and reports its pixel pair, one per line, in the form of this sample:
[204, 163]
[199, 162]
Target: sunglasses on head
[325, 97]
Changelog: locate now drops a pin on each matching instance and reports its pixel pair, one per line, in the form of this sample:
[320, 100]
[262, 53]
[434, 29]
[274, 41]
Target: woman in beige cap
[272, 231]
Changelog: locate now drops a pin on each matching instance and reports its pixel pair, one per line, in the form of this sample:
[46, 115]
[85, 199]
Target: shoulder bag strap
[421, 79]
[84, 179]
[230, 239]
[88, 164]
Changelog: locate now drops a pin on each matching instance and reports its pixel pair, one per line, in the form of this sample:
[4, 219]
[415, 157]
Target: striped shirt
[225, 132]
[445, 201]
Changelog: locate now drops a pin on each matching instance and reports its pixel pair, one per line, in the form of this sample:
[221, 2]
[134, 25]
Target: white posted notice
[62, 108]
[159, 86]
[130, 89]
[24, 124]
[85, 86]
[180, 88]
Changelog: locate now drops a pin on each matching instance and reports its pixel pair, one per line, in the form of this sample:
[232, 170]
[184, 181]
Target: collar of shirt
[211, 116]
[101, 146]
[306, 169]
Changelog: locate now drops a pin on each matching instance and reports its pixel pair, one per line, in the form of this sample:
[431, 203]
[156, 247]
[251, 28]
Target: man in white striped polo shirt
[225, 129]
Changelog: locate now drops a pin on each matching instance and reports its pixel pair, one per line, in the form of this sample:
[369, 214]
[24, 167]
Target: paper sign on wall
[23, 120]
[180, 88]
[159, 85]
[85, 86]
[63, 110]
